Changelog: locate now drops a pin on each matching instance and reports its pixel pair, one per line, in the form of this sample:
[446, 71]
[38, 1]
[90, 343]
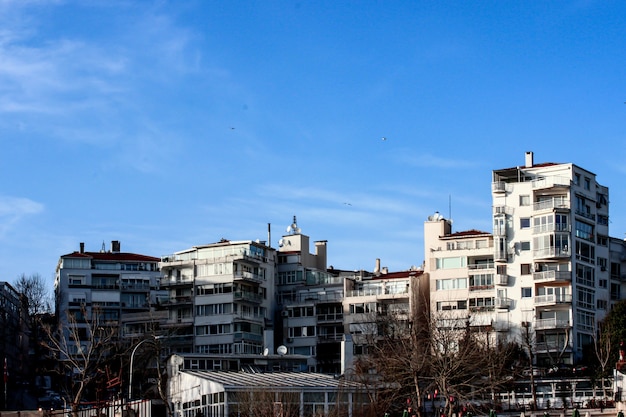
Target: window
[603, 240]
[584, 230]
[601, 304]
[585, 275]
[603, 220]
[527, 292]
[524, 200]
[525, 269]
[524, 223]
[451, 305]
[525, 245]
[481, 281]
[451, 263]
[615, 291]
[585, 298]
[577, 179]
[451, 284]
[587, 184]
[585, 252]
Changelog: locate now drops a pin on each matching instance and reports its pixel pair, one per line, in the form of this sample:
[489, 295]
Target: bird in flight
[384, 138]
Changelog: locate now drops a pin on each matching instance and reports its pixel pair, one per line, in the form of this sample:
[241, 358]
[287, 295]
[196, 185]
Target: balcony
[551, 228]
[135, 286]
[248, 276]
[247, 336]
[480, 287]
[498, 187]
[550, 182]
[180, 300]
[480, 268]
[551, 253]
[503, 302]
[330, 317]
[553, 299]
[553, 323]
[552, 204]
[552, 276]
[181, 281]
[586, 215]
[247, 296]
[329, 338]
[481, 309]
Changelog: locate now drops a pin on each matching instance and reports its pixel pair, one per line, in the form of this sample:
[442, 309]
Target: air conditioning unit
[284, 313]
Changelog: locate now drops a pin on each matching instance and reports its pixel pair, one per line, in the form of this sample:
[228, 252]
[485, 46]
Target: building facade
[110, 284]
[548, 273]
[220, 298]
[309, 299]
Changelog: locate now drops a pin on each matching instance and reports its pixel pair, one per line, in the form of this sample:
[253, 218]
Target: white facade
[546, 266]
[110, 282]
[221, 297]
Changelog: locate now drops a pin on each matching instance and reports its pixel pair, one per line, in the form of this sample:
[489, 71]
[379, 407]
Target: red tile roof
[112, 256]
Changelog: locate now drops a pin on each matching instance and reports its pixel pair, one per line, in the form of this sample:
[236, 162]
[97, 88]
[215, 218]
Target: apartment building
[220, 298]
[548, 272]
[462, 276]
[14, 342]
[109, 283]
[551, 237]
[309, 298]
[376, 302]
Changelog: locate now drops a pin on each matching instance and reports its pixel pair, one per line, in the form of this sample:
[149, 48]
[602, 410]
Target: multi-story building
[551, 234]
[375, 300]
[109, 283]
[14, 342]
[462, 274]
[309, 299]
[220, 298]
[546, 273]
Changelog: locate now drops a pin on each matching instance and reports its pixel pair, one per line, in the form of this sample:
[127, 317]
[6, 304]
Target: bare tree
[602, 342]
[33, 287]
[528, 343]
[457, 360]
[82, 350]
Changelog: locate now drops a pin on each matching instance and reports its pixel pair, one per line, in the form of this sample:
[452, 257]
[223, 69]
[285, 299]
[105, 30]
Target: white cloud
[14, 209]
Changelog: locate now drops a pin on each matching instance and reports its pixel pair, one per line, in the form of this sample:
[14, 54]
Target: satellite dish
[266, 351]
[282, 349]
[281, 243]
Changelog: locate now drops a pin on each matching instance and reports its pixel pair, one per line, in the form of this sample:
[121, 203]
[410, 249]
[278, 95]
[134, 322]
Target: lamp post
[132, 359]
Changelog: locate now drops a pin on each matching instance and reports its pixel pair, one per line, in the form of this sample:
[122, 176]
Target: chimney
[529, 160]
[82, 247]
[115, 246]
[377, 267]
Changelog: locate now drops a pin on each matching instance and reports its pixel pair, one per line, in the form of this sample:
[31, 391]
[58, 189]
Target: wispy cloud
[14, 209]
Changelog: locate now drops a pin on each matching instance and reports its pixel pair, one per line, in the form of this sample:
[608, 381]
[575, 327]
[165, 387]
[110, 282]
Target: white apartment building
[375, 299]
[546, 266]
[309, 298]
[462, 274]
[221, 298]
[109, 283]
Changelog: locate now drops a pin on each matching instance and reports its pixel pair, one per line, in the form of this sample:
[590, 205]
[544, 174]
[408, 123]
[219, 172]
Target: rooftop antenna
[450, 206]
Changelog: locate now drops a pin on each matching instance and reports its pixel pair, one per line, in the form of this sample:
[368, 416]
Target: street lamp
[132, 358]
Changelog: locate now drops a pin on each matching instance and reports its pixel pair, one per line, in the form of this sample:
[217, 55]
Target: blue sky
[169, 124]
